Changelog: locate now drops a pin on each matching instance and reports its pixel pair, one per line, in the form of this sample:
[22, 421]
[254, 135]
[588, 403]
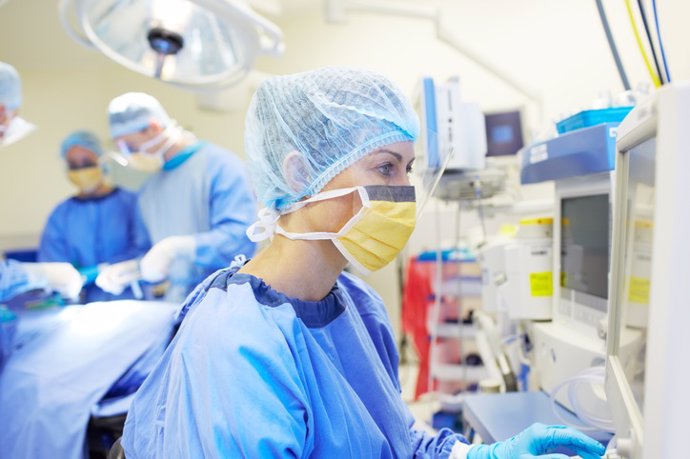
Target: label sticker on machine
[639, 290]
[538, 153]
[541, 284]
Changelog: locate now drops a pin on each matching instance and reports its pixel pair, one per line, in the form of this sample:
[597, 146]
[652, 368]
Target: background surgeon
[23, 281]
[95, 227]
[193, 211]
[17, 278]
[12, 127]
[287, 355]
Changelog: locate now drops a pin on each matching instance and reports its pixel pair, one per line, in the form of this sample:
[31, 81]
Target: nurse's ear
[296, 171]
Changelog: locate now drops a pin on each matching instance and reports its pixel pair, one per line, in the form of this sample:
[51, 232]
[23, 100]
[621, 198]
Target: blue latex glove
[536, 441]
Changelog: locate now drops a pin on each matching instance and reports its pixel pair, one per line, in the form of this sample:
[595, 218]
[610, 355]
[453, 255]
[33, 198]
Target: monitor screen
[635, 284]
[503, 133]
[585, 246]
[628, 372]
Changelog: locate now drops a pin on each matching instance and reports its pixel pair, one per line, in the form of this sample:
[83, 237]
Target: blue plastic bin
[588, 118]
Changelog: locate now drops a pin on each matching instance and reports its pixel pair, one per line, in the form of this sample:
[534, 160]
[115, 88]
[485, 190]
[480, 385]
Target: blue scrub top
[88, 232]
[253, 373]
[203, 191]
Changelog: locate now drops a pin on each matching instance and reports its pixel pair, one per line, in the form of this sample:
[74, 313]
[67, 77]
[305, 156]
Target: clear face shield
[429, 178]
[6, 117]
[13, 128]
[140, 158]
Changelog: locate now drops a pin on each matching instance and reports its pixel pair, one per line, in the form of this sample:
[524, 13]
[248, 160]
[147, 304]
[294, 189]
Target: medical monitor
[452, 130]
[582, 232]
[503, 133]
[585, 246]
[648, 392]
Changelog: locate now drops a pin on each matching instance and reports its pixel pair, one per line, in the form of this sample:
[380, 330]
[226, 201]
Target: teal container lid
[589, 118]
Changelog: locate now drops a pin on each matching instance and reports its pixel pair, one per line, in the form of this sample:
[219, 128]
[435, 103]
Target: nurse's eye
[386, 169]
[409, 169]
[77, 166]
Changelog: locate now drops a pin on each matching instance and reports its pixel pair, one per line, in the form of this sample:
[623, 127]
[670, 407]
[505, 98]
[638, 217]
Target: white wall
[60, 101]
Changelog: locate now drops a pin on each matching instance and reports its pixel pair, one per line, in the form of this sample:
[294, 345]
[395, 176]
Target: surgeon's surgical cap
[132, 112]
[84, 139]
[10, 87]
[331, 118]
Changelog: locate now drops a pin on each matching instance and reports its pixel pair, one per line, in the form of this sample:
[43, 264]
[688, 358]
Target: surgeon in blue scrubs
[17, 278]
[194, 209]
[95, 227]
[287, 355]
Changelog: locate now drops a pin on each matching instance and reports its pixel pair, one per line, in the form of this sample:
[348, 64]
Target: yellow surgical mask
[87, 179]
[372, 238]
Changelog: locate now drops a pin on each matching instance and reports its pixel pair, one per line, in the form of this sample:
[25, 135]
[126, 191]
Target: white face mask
[141, 159]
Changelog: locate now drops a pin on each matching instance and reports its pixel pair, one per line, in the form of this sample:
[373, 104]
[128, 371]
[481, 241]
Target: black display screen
[585, 237]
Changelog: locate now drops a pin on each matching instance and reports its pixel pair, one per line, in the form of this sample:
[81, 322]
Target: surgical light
[194, 44]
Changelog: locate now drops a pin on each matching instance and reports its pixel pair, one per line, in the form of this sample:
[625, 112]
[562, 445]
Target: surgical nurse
[193, 210]
[287, 355]
[95, 227]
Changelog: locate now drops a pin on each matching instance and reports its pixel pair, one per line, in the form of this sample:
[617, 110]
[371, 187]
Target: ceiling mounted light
[195, 44]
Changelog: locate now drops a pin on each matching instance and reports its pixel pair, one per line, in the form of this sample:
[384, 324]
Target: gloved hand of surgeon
[115, 278]
[537, 441]
[61, 277]
[155, 265]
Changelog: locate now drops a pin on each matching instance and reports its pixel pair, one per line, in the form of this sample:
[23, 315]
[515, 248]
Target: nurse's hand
[115, 278]
[537, 441]
[61, 277]
[155, 265]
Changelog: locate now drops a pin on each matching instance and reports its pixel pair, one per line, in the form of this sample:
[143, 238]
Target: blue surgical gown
[70, 358]
[203, 191]
[88, 232]
[253, 373]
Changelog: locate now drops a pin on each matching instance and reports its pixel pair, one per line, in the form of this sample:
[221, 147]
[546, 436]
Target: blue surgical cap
[84, 139]
[331, 117]
[10, 87]
[133, 111]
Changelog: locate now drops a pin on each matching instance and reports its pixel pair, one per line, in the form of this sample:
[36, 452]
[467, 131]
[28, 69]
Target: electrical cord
[643, 14]
[661, 43]
[477, 185]
[436, 311]
[591, 376]
[612, 45]
[611, 450]
[640, 45]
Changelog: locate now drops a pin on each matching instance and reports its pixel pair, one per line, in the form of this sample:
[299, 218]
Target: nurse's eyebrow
[397, 155]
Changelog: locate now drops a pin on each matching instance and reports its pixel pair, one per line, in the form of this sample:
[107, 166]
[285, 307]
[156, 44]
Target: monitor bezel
[626, 413]
[577, 314]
